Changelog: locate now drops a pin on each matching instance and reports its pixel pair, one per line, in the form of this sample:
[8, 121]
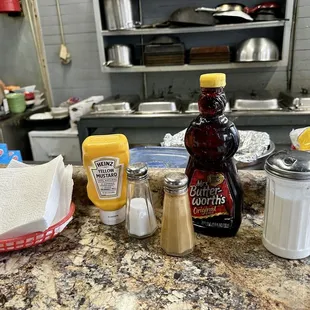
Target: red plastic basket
[32, 239]
[7, 6]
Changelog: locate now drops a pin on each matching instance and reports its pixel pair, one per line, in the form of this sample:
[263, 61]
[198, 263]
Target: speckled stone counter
[92, 266]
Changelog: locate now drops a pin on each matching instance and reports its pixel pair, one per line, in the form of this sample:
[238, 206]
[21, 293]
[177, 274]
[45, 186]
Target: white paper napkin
[33, 198]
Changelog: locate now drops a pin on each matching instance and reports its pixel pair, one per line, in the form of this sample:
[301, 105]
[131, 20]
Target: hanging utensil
[64, 54]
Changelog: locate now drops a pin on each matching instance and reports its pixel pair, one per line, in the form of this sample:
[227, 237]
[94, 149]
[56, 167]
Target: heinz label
[107, 174]
[209, 195]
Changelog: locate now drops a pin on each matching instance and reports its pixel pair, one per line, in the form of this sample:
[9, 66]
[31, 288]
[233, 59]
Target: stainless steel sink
[113, 108]
[248, 104]
[192, 108]
[264, 101]
[295, 101]
[157, 107]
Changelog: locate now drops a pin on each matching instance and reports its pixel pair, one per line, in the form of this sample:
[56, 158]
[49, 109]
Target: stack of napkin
[33, 198]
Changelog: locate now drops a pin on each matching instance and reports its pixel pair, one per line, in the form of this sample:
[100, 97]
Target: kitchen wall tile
[18, 58]
[74, 19]
[304, 11]
[70, 29]
[67, 9]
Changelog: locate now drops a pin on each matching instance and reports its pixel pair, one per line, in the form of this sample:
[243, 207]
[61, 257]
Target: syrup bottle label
[209, 195]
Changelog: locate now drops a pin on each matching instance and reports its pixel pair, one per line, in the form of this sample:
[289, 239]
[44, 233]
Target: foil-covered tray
[254, 146]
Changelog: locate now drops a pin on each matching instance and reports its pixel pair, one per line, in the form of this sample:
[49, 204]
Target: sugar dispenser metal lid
[137, 171]
[289, 164]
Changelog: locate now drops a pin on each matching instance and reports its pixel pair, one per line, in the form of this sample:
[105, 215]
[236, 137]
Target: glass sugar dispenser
[286, 231]
[140, 216]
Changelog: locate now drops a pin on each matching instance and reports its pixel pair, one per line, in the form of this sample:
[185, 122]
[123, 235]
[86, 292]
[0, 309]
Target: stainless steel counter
[192, 115]
[150, 129]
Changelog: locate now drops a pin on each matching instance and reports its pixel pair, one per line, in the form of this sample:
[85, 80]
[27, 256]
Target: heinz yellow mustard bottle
[105, 159]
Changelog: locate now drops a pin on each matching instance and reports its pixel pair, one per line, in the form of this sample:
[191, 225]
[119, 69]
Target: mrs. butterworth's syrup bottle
[215, 192]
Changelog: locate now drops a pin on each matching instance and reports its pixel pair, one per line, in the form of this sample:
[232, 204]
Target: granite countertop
[92, 266]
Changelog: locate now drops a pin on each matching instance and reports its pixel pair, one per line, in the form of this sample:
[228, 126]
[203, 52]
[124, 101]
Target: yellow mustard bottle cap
[304, 140]
[213, 80]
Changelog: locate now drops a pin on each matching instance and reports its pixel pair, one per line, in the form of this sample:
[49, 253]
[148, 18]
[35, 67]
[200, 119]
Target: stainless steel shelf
[207, 67]
[228, 27]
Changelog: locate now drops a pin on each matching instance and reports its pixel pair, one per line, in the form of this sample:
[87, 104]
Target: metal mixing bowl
[257, 49]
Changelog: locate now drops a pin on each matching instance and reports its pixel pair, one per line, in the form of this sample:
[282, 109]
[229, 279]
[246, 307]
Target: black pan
[185, 17]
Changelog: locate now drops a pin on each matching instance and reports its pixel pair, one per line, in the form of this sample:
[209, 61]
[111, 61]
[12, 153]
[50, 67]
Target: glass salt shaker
[177, 231]
[140, 216]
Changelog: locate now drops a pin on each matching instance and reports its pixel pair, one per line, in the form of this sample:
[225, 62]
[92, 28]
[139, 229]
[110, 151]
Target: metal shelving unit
[206, 67]
[286, 24]
[228, 27]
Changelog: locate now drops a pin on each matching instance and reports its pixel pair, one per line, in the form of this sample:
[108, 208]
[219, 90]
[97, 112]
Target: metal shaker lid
[289, 164]
[175, 182]
[137, 171]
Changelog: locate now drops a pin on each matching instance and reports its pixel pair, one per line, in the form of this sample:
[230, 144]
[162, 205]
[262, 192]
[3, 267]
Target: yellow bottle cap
[304, 140]
[213, 80]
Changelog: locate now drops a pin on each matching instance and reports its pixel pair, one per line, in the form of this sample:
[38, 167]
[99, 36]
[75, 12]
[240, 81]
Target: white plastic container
[286, 230]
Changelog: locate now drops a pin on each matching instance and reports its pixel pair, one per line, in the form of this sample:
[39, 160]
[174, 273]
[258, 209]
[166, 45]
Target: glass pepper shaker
[177, 232]
[140, 216]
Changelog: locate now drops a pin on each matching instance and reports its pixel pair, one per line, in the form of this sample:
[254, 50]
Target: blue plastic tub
[160, 157]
